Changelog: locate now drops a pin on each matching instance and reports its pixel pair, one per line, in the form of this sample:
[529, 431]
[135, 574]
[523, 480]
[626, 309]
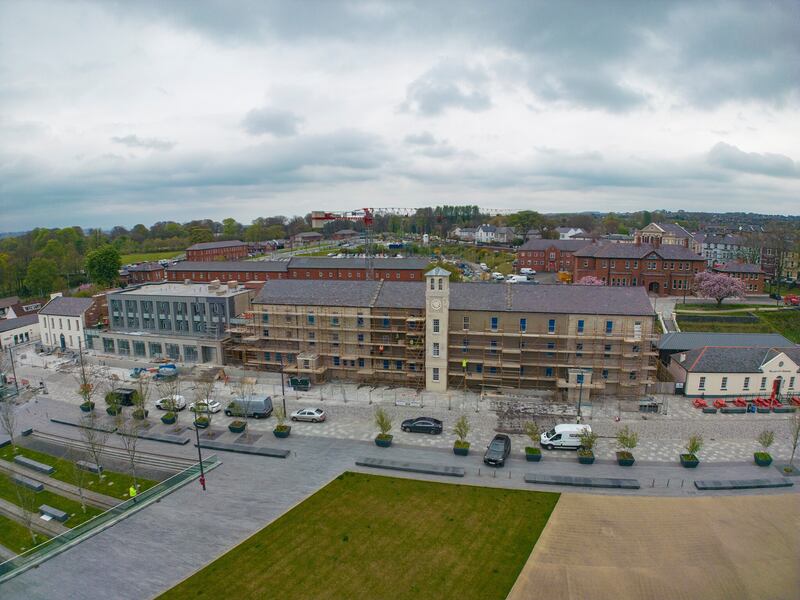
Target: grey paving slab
[244, 449]
[590, 482]
[741, 484]
[411, 467]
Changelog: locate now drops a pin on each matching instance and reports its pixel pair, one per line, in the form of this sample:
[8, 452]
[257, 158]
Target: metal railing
[62, 542]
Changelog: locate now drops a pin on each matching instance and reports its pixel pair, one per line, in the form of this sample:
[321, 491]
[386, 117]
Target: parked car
[171, 403]
[315, 415]
[256, 407]
[563, 436]
[212, 406]
[517, 279]
[497, 276]
[422, 425]
[484, 267]
[498, 450]
[527, 271]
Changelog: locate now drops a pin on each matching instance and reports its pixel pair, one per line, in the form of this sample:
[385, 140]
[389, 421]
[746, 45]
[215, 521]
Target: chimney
[638, 239]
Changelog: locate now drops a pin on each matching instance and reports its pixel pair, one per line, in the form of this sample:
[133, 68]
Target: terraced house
[438, 335]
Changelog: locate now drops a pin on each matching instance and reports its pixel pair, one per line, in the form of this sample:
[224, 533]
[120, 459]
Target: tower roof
[438, 272]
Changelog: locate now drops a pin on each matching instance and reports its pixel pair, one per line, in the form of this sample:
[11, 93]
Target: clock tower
[437, 321]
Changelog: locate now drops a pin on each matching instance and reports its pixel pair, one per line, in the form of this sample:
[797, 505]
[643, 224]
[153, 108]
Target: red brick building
[549, 255]
[227, 250]
[353, 269]
[304, 238]
[345, 234]
[144, 273]
[661, 269]
[751, 275]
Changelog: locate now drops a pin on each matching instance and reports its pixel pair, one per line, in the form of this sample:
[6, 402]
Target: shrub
[627, 440]
[383, 421]
[695, 444]
[765, 439]
[588, 440]
[462, 429]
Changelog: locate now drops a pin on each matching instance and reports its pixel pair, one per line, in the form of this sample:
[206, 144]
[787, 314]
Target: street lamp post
[283, 389]
[580, 393]
[200, 458]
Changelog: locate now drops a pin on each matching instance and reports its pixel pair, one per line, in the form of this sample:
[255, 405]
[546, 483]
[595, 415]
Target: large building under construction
[438, 335]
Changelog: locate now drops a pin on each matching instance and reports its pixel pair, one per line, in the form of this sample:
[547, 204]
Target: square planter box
[383, 442]
[168, 420]
[734, 410]
[202, 424]
[533, 457]
[625, 459]
[710, 410]
[236, 427]
[763, 411]
[87, 407]
[784, 409]
[689, 461]
[461, 451]
[762, 459]
[586, 460]
[282, 434]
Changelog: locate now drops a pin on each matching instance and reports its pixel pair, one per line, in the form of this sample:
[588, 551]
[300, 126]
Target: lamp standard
[200, 457]
[283, 389]
[580, 391]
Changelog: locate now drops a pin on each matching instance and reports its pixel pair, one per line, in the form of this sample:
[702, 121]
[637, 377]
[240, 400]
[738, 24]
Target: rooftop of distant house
[215, 245]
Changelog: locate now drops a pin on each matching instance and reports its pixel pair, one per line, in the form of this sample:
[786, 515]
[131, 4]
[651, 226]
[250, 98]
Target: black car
[422, 425]
[498, 451]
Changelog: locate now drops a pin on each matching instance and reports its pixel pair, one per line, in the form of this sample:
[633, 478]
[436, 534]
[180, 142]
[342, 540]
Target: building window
[746, 385]
[479, 368]
[336, 361]
[436, 326]
[551, 326]
[548, 371]
[432, 284]
[702, 384]
[360, 321]
[763, 383]
[523, 325]
[108, 345]
[724, 385]
[580, 325]
[607, 351]
[493, 346]
[440, 284]
[466, 323]
[360, 337]
[605, 373]
[310, 319]
[632, 375]
[579, 378]
[334, 321]
[386, 322]
[435, 373]
[361, 363]
[494, 323]
[609, 326]
[791, 382]
[579, 350]
[551, 346]
[398, 364]
[435, 350]
[465, 347]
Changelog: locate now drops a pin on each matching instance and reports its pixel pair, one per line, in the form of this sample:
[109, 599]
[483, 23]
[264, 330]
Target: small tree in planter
[203, 394]
[168, 389]
[532, 453]
[461, 429]
[140, 397]
[588, 439]
[693, 446]
[765, 440]
[794, 439]
[87, 385]
[627, 440]
[384, 423]
[244, 389]
[281, 430]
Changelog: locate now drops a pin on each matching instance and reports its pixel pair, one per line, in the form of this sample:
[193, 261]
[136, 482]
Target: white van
[563, 436]
[497, 276]
[527, 271]
[517, 279]
[484, 267]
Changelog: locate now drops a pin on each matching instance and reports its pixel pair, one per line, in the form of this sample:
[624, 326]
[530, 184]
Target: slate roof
[674, 229]
[690, 340]
[551, 299]
[9, 301]
[66, 307]
[438, 272]
[733, 359]
[732, 240]
[640, 251]
[562, 245]
[148, 266]
[23, 321]
[738, 268]
[256, 266]
[213, 245]
[329, 262]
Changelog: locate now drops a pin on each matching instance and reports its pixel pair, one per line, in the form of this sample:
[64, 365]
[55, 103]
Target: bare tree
[794, 435]
[26, 500]
[95, 436]
[169, 388]
[203, 394]
[244, 389]
[8, 418]
[87, 378]
[78, 476]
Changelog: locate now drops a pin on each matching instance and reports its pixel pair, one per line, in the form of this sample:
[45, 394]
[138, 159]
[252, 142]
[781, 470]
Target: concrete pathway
[62, 487]
[12, 511]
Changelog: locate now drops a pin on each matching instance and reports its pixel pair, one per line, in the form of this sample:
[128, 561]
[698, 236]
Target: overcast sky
[126, 112]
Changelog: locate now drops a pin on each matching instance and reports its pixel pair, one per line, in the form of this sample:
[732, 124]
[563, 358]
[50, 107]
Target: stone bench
[35, 465]
[58, 515]
[99, 427]
[734, 410]
[592, 482]
[36, 486]
[167, 438]
[784, 409]
[244, 449]
[411, 467]
[85, 465]
[740, 484]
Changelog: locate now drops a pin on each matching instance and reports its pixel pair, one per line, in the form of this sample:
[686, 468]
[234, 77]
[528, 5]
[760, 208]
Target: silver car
[315, 415]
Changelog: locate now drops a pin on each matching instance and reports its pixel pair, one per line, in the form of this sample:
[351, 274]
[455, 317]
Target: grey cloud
[448, 85]
[425, 144]
[730, 157]
[589, 89]
[134, 141]
[420, 139]
[280, 123]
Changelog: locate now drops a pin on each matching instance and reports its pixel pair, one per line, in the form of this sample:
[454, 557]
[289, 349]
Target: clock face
[436, 304]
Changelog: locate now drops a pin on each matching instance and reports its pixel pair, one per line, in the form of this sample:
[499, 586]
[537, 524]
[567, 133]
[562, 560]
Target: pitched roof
[674, 229]
[736, 267]
[638, 251]
[318, 292]
[9, 301]
[23, 321]
[330, 262]
[345, 232]
[214, 245]
[256, 266]
[733, 359]
[691, 340]
[148, 266]
[438, 272]
[562, 245]
[303, 234]
[66, 306]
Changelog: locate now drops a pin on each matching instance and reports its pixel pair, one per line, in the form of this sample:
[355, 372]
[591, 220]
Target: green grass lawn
[72, 507]
[113, 484]
[367, 536]
[785, 322]
[149, 256]
[16, 537]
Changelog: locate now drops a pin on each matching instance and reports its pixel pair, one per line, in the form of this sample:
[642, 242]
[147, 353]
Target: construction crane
[363, 215]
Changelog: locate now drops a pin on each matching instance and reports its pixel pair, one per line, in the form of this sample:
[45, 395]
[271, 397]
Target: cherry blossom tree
[590, 280]
[719, 286]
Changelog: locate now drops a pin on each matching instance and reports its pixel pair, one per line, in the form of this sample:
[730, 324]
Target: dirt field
[607, 547]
